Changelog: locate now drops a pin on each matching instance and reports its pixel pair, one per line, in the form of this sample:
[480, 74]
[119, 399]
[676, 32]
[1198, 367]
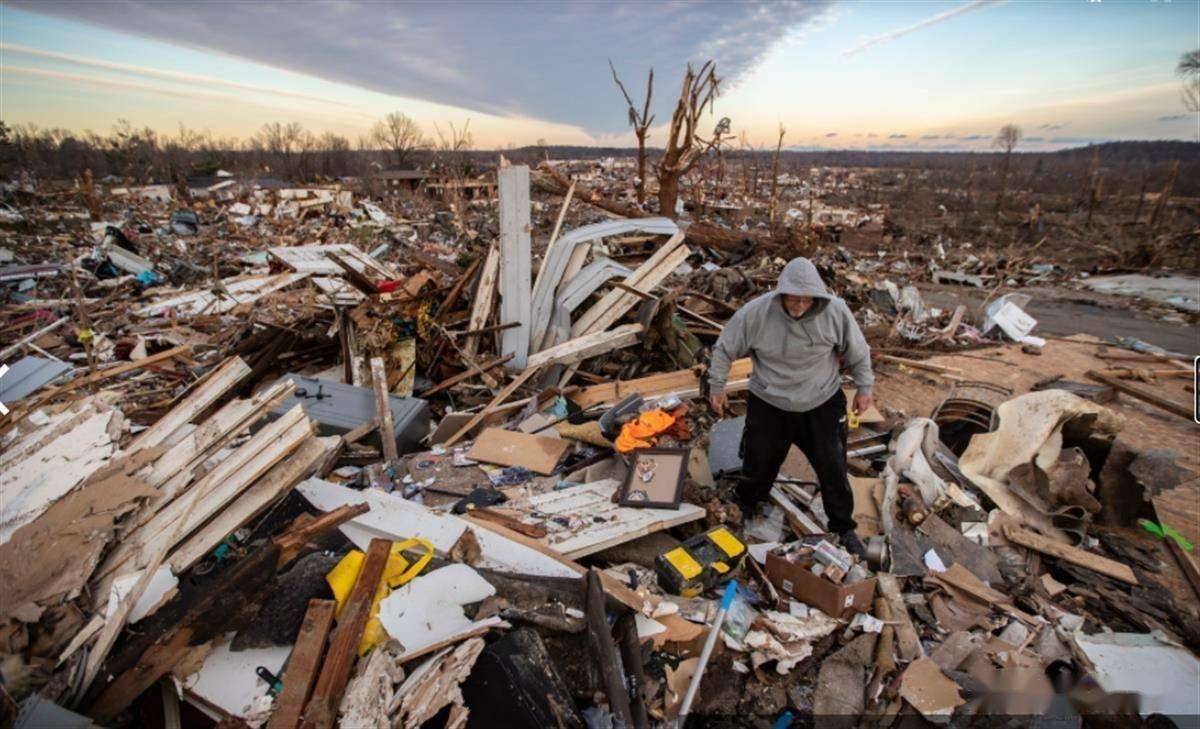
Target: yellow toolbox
[704, 561]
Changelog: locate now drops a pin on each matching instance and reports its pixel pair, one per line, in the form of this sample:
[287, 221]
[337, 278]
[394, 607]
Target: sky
[882, 74]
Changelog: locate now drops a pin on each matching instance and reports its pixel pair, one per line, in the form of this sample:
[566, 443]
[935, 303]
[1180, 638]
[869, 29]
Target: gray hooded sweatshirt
[796, 361]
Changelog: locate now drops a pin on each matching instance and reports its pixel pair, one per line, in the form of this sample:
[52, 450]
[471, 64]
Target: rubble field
[307, 457]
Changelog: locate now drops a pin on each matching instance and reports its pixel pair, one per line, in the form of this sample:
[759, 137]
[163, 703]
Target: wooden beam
[588, 345]
[485, 296]
[321, 711]
[917, 364]
[1142, 394]
[1074, 555]
[353, 275]
[295, 540]
[600, 637]
[614, 304]
[383, 411]
[210, 389]
[504, 394]
[101, 375]
[303, 664]
[515, 261]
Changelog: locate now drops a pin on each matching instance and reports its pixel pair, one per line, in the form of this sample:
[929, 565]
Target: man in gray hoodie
[798, 337]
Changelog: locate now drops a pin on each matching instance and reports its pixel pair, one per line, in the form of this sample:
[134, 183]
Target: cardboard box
[833, 599]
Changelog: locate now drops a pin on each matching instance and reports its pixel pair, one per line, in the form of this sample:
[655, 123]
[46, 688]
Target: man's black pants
[819, 433]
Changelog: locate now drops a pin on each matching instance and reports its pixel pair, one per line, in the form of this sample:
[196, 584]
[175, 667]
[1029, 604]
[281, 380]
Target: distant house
[396, 181]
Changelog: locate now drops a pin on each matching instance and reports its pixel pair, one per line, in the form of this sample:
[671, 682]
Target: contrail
[933, 20]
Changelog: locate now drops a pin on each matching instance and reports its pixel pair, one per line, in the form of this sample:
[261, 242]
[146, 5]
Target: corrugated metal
[28, 374]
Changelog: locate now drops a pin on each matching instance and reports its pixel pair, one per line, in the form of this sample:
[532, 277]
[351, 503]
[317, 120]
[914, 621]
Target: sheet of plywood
[605, 524]
[511, 448]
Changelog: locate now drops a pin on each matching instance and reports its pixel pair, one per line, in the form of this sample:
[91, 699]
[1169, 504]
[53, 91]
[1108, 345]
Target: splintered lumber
[631, 658]
[485, 296]
[478, 417]
[251, 502]
[383, 411]
[516, 261]
[214, 385]
[303, 664]
[224, 607]
[600, 636]
[681, 383]
[1142, 394]
[209, 495]
[295, 540]
[908, 645]
[614, 304]
[321, 712]
[1074, 555]
[588, 345]
[172, 472]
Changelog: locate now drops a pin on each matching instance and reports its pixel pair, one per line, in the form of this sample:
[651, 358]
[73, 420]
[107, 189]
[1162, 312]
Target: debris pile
[292, 457]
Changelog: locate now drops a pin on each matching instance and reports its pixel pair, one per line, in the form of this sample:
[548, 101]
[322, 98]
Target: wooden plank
[250, 503]
[681, 383]
[614, 304]
[511, 448]
[321, 711]
[504, 394]
[485, 296]
[296, 540]
[917, 364]
[1142, 394]
[303, 664]
[383, 411]
[357, 279]
[217, 488]
[1074, 555]
[605, 653]
[588, 345]
[515, 261]
[215, 384]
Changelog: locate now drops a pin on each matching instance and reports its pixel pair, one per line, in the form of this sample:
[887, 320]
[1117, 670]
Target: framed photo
[655, 479]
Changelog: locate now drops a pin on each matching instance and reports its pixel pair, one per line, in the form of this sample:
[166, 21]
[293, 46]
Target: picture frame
[655, 479]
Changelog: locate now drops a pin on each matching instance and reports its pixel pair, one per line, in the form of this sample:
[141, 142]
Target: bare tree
[685, 146]
[399, 135]
[640, 121]
[775, 177]
[454, 164]
[1189, 70]
[1007, 139]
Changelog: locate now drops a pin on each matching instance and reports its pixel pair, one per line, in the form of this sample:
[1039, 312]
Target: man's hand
[718, 403]
[863, 402]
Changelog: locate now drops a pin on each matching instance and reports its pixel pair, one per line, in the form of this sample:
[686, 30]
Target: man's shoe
[852, 544]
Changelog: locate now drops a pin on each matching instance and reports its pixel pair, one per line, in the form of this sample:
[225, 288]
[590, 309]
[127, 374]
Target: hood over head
[800, 278]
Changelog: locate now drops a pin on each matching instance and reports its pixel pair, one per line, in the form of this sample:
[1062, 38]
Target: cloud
[154, 73]
[1173, 117]
[505, 58]
[897, 136]
[831, 134]
[892, 35]
[931, 136]
[1052, 127]
[972, 137]
[1034, 139]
